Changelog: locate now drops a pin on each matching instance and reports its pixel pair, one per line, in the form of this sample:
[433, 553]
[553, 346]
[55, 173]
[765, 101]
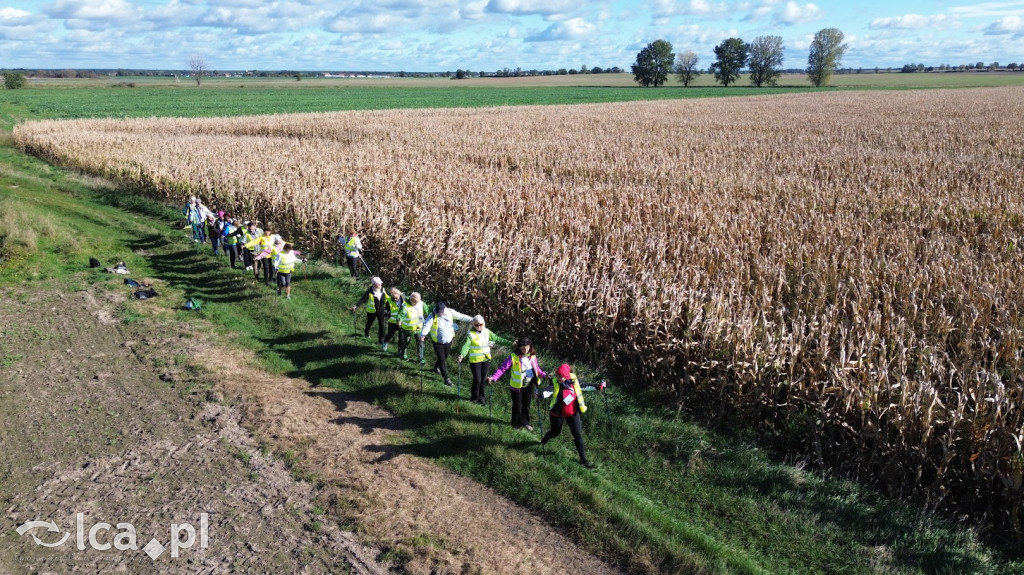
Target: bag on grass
[193, 304]
[94, 263]
[144, 293]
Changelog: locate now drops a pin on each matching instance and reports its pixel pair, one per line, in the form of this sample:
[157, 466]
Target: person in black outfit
[376, 308]
[566, 406]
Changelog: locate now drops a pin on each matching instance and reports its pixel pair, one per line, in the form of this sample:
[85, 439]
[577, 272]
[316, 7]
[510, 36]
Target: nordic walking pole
[458, 388]
[423, 364]
[606, 410]
[490, 412]
[365, 264]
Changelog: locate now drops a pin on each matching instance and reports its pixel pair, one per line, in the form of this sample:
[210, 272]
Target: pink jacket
[507, 364]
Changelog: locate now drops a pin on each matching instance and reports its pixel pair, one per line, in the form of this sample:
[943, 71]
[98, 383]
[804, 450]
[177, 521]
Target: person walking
[261, 247]
[193, 213]
[440, 324]
[214, 230]
[230, 241]
[394, 310]
[376, 308]
[567, 405]
[286, 260]
[353, 252]
[410, 322]
[524, 369]
[477, 348]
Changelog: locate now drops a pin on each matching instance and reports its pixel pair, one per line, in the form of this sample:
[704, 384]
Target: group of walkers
[394, 314]
[408, 318]
[260, 250]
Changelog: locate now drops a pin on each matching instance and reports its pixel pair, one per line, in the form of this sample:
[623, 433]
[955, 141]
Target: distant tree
[730, 56]
[460, 74]
[14, 80]
[980, 65]
[197, 64]
[583, 69]
[653, 64]
[827, 50]
[993, 66]
[765, 60]
[597, 70]
[1011, 66]
[686, 67]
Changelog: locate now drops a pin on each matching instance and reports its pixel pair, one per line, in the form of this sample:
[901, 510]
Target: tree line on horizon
[762, 58]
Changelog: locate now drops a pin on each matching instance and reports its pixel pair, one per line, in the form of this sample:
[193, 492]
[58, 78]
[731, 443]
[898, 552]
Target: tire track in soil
[89, 427]
[393, 495]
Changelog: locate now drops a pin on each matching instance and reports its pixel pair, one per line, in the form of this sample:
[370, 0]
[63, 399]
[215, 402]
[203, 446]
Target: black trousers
[247, 257]
[392, 330]
[479, 371]
[575, 426]
[268, 269]
[404, 336]
[353, 265]
[521, 404]
[379, 318]
[232, 251]
[441, 351]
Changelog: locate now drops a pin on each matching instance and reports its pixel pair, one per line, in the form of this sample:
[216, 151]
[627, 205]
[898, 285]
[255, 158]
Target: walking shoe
[384, 346]
[278, 292]
[588, 464]
[423, 361]
[405, 357]
[287, 297]
[448, 382]
[248, 268]
[528, 427]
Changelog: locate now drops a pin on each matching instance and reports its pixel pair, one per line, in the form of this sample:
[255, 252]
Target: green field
[221, 96]
[669, 496]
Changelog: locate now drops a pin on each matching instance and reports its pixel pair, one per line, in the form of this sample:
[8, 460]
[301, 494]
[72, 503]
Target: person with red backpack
[566, 406]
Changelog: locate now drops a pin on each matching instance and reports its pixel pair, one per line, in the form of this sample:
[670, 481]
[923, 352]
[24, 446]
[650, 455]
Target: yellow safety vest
[480, 345]
[516, 377]
[350, 247]
[394, 307]
[411, 317]
[286, 262]
[371, 302]
[555, 397]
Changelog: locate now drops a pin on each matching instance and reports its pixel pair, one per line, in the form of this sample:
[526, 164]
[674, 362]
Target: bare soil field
[116, 421]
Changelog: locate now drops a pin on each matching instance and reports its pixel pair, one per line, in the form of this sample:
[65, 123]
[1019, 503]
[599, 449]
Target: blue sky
[441, 35]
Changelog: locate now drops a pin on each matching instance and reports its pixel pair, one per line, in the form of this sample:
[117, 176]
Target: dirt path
[109, 421]
[397, 497]
[113, 421]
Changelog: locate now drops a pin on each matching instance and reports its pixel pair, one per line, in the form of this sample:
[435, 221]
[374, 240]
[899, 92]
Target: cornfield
[846, 265]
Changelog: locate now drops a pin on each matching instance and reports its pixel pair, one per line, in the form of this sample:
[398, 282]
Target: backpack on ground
[193, 304]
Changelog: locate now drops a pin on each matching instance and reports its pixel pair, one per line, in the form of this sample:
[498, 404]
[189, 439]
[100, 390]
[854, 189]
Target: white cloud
[989, 9]
[1006, 25]
[661, 9]
[91, 10]
[571, 29]
[794, 13]
[908, 22]
[523, 7]
[13, 14]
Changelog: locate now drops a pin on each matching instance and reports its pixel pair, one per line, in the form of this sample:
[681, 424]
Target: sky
[487, 35]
